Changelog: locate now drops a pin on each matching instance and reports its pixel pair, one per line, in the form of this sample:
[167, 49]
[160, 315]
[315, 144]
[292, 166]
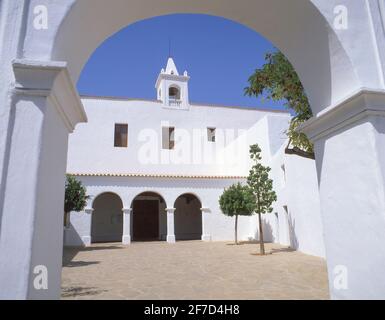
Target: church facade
[155, 170]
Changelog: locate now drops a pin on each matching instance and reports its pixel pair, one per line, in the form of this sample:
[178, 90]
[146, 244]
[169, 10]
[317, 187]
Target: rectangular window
[168, 140]
[121, 135]
[211, 134]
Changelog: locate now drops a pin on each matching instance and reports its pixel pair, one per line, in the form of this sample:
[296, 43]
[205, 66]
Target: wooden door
[146, 220]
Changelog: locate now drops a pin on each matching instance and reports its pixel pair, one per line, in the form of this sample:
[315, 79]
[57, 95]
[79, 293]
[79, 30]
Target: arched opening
[149, 221]
[107, 218]
[188, 217]
[297, 27]
[174, 93]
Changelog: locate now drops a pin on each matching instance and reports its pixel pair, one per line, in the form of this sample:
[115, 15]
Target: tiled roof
[165, 176]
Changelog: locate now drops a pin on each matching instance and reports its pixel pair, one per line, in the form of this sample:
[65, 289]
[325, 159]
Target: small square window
[211, 134]
[121, 136]
[168, 139]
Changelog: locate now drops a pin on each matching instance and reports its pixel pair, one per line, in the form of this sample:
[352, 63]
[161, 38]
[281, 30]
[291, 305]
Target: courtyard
[191, 270]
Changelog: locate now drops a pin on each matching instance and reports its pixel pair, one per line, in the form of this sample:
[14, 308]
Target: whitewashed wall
[91, 150]
[91, 147]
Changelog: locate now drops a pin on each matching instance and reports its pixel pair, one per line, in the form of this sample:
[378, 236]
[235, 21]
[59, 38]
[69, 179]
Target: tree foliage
[237, 200]
[75, 195]
[262, 187]
[277, 80]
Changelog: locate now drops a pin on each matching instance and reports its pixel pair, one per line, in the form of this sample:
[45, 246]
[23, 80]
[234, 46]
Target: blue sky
[218, 54]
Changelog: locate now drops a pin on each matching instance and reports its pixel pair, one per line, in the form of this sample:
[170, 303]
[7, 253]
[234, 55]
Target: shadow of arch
[188, 217]
[107, 218]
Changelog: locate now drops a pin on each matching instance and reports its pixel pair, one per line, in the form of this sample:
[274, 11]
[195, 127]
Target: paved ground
[191, 270]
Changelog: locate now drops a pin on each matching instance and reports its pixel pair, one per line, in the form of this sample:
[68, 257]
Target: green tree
[237, 200]
[262, 187]
[75, 197]
[277, 80]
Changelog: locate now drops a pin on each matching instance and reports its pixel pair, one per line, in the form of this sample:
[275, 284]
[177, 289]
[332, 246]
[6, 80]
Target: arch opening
[174, 93]
[149, 221]
[107, 218]
[297, 28]
[188, 217]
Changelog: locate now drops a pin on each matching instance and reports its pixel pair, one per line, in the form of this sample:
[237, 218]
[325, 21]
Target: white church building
[154, 170]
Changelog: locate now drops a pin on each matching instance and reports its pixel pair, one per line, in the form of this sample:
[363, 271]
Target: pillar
[205, 232]
[350, 156]
[126, 226]
[86, 238]
[44, 109]
[170, 225]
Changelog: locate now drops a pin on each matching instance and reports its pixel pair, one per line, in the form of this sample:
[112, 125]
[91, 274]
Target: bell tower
[172, 88]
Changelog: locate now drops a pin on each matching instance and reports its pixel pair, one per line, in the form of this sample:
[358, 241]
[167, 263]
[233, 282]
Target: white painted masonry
[39, 108]
[196, 166]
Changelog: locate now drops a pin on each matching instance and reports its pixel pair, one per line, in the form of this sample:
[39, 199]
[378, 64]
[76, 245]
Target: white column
[350, 156]
[170, 225]
[87, 237]
[46, 109]
[126, 226]
[205, 231]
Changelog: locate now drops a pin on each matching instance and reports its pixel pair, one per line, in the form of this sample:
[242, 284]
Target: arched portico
[188, 217]
[148, 217]
[107, 218]
[40, 107]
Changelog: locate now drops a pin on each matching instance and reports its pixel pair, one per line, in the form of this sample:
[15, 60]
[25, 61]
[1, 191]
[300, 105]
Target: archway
[107, 218]
[333, 70]
[188, 217]
[297, 28]
[149, 219]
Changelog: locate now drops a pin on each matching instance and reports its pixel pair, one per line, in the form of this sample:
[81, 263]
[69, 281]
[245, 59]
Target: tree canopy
[259, 182]
[237, 200]
[277, 80]
[75, 195]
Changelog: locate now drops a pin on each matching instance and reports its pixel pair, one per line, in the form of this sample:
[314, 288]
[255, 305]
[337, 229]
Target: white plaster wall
[91, 146]
[296, 184]
[303, 202]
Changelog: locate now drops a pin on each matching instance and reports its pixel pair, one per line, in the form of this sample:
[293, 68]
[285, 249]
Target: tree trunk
[66, 219]
[261, 243]
[236, 229]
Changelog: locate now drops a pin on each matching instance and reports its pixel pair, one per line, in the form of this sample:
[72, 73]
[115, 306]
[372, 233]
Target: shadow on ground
[70, 292]
[70, 253]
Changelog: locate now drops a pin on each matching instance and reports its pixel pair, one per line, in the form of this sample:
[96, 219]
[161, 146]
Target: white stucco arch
[107, 219]
[148, 191]
[178, 88]
[94, 197]
[296, 27]
[189, 219]
[344, 82]
[191, 193]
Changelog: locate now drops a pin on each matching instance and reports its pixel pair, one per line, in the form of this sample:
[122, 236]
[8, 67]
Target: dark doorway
[145, 220]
